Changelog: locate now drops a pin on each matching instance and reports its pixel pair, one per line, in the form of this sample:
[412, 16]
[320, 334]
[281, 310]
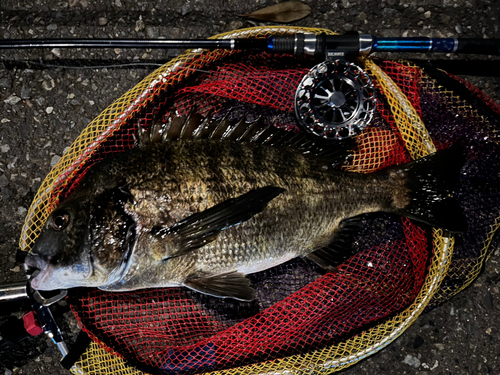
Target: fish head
[81, 245]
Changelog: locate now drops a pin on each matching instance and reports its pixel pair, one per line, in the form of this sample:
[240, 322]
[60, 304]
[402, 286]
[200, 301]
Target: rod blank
[116, 43]
[297, 44]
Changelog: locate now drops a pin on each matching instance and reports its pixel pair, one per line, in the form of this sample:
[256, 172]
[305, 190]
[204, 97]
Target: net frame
[99, 359]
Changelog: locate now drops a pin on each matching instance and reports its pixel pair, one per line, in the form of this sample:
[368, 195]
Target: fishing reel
[335, 100]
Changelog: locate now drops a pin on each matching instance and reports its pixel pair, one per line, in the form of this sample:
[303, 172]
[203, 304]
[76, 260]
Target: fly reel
[335, 100]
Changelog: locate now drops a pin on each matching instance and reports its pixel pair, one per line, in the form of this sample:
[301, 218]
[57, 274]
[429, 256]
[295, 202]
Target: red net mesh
[250, 84]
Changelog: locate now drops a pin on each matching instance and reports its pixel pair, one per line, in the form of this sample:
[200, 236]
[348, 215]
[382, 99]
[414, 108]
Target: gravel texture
[43, 109]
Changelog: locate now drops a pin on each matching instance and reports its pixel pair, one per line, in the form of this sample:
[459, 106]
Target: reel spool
[335, 100]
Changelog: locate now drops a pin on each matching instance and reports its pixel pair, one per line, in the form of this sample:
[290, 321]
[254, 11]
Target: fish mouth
[48, 276]
[41, 280]
[34, 266]
[40, 271]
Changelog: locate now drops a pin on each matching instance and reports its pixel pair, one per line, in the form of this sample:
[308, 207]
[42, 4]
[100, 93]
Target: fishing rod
[297, 44]
[336, 99]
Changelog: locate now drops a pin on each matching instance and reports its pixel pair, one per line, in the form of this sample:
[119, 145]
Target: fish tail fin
[429, 182]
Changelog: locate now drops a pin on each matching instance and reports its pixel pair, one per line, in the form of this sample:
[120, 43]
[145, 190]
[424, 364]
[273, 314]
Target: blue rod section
[421, 44]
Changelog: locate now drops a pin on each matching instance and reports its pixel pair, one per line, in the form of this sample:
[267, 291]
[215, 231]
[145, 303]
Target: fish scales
[192, 179]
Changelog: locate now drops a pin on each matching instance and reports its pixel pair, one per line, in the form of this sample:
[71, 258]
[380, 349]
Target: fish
[201, 203]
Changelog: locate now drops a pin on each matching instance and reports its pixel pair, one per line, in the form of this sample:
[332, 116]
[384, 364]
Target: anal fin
[227, 285]
[341, 246]
[327, 258]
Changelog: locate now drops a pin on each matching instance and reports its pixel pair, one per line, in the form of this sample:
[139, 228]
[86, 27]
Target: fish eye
[60, 221]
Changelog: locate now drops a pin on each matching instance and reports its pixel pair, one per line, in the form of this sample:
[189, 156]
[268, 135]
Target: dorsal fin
[221, 128]
[238, 130]
[190, 125]
[196, 127]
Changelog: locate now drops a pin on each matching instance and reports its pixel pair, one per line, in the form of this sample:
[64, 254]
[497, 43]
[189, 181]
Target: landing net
[303, 319]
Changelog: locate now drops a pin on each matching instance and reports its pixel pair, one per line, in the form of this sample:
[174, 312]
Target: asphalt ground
[45, 104]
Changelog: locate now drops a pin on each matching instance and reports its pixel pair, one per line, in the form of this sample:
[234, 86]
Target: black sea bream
[225, 201]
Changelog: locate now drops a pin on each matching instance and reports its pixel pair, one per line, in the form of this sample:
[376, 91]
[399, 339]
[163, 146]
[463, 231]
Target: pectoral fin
[232, 285]
[203, 227]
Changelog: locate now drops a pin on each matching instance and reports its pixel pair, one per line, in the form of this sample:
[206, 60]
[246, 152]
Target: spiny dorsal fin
[238, 130]
[196, 127]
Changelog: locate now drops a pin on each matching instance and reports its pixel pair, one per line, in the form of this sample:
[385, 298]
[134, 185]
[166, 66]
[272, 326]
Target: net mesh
[303, 318]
